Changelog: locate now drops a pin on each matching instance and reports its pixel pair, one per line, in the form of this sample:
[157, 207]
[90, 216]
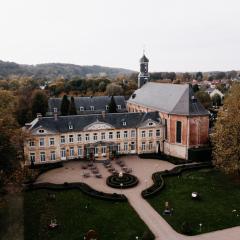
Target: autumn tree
[39, 103]
[11, 136]
[72, 107]
[113, 89]
[65, 105]
[204, 98]
[226, 135]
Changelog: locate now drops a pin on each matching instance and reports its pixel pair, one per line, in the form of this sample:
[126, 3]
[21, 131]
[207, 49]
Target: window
[132, 146]
[55, 110]
[118, 106]
[71, 151]
[70, 126]
[52, 156]
[143, 146]
[179, 132]
[106, 107]
[79, 137]
[51, 142]
[63, 152]
[95, 137]
[95, 150]
[32, 157]
[41, 131]
[150, 133]
[118, 135]
[110, 135]
[125, 146]
[133, 133]
[62, 139]
[31, 143]
[92, 108]
[118, 147]
[81, 109]
[42, 157]
[103, 136]
[166, 126]
[41, 142]
[87, 137]
[104, 148]
[158, 133]
[125, 134]
[80, 151]
[124, 123]
[150, 146]
[143, 134]
[150, 124]
[71, 138]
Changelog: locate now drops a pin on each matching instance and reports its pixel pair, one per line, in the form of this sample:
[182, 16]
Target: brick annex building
[161, 118]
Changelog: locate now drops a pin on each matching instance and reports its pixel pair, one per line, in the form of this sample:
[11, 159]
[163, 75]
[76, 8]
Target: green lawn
[111, 220]
[219, 197]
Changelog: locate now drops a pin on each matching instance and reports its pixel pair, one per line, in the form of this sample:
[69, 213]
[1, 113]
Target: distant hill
[51, 71]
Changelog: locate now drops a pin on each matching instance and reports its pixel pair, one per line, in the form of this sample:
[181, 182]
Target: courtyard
[218, 208]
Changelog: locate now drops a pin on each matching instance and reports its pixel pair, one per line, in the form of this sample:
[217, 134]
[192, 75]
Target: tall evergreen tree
[72, 107]
[112, 106]
[39, 103]
[65, 106]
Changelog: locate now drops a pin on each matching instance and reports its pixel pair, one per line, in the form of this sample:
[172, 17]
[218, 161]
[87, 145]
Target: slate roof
[99, 103]
[176, 99]
[79, 122]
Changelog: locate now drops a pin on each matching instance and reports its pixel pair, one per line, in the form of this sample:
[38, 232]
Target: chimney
[55, 114]
[39, 116]
[103, 114]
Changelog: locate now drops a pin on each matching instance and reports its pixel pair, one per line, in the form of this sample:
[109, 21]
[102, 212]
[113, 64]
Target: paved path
[143, 169]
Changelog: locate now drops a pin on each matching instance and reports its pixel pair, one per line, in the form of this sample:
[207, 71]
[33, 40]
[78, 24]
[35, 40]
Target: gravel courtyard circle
[124, 181]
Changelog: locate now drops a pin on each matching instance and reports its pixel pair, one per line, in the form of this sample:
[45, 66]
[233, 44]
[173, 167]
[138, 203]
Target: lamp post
[121, 185]
[200, 227]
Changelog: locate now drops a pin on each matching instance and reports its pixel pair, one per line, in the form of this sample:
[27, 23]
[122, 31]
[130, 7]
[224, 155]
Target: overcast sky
[178, 35]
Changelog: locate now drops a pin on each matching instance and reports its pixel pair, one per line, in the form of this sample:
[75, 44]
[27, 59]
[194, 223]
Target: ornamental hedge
[158, 177]
[80, 186]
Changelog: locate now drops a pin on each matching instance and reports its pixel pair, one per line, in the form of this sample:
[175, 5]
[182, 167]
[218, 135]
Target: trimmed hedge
[158, 180]
[171, 159]
[201, 154]
[80, 186]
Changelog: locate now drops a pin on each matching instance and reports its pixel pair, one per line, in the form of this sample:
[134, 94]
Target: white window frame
[133, 133]
[118, 134]
[71, 151]
[92, 108]
[150, 133]
[51, 141]
[31, 143]
[125, 134]
[41, 142]
[71, 138]
[110, 135]
[62, 139]
[143, 146]
[125, 147]
[95, 136]
[103, 136]
[79, 136]
[52, 155]
[80, 151]
[81, 109]
[32, 157]
[143, 134]
[42, 157]
[158, 133]
[87, 137]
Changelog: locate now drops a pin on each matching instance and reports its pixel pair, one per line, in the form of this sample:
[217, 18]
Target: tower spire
[143, 76]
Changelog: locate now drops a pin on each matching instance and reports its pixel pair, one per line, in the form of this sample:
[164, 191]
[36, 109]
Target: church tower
[143, 76]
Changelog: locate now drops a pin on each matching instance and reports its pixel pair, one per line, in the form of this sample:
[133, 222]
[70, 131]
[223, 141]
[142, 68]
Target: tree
[226, 135]
[114, 89]
[112, 107]
[72, 107]
[216, 99]
[199, 76]
[39, 103]
[65, 106]
[204, 98]
[11, 136]
[195, 88]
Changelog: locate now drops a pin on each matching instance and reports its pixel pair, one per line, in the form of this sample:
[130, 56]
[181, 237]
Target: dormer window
[124, 123]
[107, 107]
[41, 131]
[81, 108]
[55, 110]
[150, 124]
[119, 106]
[70, 126]
[92, 108]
